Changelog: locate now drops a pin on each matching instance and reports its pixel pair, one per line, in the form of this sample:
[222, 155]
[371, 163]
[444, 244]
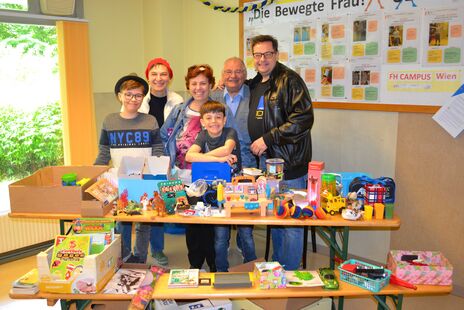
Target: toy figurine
[123, 201]
[158, 204]
[133, 208]
[144, 201]
[353, 202]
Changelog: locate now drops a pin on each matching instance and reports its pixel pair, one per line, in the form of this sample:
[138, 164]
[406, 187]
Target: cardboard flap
[157, 165]
[131, 167]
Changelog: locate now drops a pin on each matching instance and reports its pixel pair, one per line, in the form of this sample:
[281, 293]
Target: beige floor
[176, 251]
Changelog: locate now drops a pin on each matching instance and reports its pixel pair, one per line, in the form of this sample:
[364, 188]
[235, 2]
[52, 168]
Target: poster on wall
[366, 34]
[407, 47]
[333, 38]
[332, 80]
[365, 80]
[308, 72]
[402, 37]
[304, 40]
[442, 36]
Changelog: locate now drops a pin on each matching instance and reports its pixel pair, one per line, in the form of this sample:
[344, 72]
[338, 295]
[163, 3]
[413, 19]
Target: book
[125, 281]
[303, 278]
[183, 278]
[68, 256]
[144, 292]
[225, 280]
[100, 230]
[27, 283]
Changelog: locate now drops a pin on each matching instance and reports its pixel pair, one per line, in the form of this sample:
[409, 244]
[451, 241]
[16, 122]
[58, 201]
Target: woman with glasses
[128, 133]
[178, 134]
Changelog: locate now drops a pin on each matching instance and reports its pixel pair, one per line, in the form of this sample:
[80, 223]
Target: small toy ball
[282, 211]
[320, 213]
[307, 212]
[295, 212]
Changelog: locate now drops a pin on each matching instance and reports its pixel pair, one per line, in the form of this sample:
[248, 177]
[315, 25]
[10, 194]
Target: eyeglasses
[229, 72]
[267, 55]
[129, 96]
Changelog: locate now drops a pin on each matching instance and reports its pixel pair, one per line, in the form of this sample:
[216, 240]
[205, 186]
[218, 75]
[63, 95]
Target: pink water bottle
[315, 169]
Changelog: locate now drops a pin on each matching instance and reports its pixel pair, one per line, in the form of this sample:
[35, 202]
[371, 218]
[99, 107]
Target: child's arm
[225, 150]
[194, 155]
[104, 156]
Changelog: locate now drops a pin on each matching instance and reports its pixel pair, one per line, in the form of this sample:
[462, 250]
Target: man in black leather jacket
[279, 122]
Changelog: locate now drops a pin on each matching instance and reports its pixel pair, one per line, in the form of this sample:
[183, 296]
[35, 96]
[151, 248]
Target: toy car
[328, 278]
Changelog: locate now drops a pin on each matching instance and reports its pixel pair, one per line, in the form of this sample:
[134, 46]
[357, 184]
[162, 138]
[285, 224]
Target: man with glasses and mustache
[236, 95]
[279, 123]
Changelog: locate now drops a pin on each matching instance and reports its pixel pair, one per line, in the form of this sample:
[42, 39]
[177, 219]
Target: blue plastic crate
[363, 282]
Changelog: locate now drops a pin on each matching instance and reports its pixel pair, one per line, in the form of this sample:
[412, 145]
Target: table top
[162, 291]
[235, 219]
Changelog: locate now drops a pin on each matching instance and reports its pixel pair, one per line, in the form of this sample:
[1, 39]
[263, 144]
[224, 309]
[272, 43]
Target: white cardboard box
[97, 270]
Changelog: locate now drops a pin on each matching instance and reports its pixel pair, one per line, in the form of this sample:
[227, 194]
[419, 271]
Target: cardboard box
[108, 305]
[42, 191]
[438, 271]
[97, 270]
[208, 304]
[138, 175]
[131, 168]
[94, 208]
[156, 168]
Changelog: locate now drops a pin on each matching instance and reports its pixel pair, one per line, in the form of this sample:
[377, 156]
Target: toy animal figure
[144, 201]
[133, 208]
[158, 205]
[123, 200]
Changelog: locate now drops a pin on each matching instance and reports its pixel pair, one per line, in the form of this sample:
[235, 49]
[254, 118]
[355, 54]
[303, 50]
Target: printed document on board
[451, 115]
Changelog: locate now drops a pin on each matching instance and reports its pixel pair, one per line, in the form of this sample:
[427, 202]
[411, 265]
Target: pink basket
[438, 271]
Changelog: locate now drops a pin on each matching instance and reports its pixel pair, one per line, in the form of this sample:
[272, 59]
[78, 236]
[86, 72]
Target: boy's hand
[230, 159]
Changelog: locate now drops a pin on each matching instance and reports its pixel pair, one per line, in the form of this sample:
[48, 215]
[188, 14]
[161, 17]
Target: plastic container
[275, 168]
[69, 179]
[363, 282]
[329, 184]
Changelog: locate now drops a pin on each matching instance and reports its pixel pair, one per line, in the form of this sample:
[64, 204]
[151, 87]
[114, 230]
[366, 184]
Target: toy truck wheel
[332, 212]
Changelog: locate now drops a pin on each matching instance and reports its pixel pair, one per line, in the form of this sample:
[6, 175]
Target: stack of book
[27, 284]
[183, 278]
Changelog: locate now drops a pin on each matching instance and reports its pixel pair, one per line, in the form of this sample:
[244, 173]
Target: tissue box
[96, 271]
[270, 275]
[438, 272]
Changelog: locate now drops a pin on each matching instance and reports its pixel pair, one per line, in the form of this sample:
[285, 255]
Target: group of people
[269, 116]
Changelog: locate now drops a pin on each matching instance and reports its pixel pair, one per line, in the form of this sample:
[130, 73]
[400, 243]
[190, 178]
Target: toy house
[245, 195]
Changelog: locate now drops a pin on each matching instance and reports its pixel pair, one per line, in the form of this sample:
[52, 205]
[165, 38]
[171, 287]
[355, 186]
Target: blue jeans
[125, 229]
[287, 242]
[222, 241]
[148, 233]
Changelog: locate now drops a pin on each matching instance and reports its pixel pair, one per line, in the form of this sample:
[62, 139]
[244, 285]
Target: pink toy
[315, 169]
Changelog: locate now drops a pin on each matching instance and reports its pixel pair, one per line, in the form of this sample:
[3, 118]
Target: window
[30, 113]
[14, 5]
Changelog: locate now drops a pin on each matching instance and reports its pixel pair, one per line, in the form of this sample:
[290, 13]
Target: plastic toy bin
[363, 282]
[438, 270]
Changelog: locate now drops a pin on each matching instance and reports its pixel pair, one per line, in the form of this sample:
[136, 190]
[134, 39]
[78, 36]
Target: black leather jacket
[288, 119]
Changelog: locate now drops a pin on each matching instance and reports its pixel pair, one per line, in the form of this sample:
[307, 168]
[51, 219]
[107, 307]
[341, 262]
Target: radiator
[17, 233]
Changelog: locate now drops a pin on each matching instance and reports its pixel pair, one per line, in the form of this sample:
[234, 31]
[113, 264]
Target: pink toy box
[437, 269]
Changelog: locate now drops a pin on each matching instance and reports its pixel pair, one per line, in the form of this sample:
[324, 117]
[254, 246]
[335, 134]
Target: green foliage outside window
[31, 140]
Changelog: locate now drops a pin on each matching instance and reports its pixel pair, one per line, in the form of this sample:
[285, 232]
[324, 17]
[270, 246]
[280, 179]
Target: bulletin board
[379, 55]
